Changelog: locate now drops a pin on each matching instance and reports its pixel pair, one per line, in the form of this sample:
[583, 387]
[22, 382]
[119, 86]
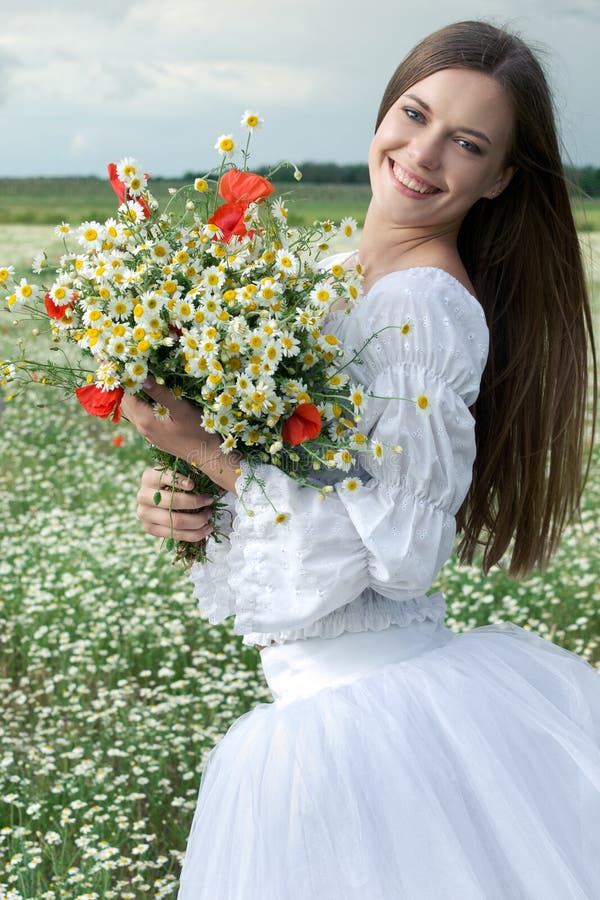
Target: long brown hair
[522, 254]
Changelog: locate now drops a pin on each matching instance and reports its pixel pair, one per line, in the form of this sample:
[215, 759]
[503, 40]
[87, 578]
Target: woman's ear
[501, 182]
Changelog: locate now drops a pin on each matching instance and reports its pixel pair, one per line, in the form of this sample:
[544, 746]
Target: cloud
[8, 65]
[148, 74]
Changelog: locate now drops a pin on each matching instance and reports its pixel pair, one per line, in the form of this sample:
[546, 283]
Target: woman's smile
[410, 184]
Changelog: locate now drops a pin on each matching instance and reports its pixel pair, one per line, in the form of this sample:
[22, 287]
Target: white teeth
[409, 182]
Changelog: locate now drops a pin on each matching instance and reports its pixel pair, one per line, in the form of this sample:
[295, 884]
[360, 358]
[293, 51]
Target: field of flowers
[113, 690]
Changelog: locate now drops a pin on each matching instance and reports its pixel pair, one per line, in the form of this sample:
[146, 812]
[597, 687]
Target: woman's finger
[167, 499]
[156, 478]
[165, 531]
[179, 521]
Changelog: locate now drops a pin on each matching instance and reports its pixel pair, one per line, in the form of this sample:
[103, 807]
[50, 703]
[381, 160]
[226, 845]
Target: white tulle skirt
[412, 763]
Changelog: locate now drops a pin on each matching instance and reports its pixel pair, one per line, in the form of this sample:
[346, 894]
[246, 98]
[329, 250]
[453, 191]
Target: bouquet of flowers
[217, 298]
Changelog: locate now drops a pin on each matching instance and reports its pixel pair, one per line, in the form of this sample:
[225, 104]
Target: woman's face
[440, 148]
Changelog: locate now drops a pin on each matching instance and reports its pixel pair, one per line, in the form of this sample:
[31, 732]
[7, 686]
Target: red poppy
[120, 189]
[118, 441]
[229, 218]
[236, 186]
[100, 403]
[303, 425]
[54, 310]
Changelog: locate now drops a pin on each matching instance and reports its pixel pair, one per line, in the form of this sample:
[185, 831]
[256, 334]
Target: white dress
[398, 759]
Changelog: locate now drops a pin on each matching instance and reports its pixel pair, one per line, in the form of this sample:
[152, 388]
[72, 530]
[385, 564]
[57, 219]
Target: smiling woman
[401, 759]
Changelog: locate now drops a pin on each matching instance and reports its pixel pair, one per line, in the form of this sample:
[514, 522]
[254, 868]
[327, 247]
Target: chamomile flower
[225, 144]
[228, 444]
[213, 277]
[63, 230]
[251, 120]
[24, 292]
[351, 485]
[132, 212]
[343, 459]
[376, 448]
[107, 376]
[279, 210]
[161, 412]
[159, 252]
[40, 262]
[290, 346]
[348, 227]
[424, 403]
[128, 170]
[6, 275]
[357, 396]
[200, 185]
[287, 263]
[90, 235]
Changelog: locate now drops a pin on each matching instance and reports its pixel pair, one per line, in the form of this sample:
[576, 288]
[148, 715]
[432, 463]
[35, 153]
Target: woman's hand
[180, 514]
[182, 434]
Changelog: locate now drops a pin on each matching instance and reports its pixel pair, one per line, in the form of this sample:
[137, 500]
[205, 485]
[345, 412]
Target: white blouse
[363, 560]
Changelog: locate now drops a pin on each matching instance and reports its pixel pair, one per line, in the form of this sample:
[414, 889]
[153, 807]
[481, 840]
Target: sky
[84, 84]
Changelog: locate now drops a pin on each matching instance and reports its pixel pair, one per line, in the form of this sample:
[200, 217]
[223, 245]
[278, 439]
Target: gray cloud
[162, 80]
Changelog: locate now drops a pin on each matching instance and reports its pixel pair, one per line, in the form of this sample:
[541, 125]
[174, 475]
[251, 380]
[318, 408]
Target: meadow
[113, 688]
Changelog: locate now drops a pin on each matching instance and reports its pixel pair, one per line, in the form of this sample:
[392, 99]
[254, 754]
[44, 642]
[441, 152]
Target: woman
[399, 759]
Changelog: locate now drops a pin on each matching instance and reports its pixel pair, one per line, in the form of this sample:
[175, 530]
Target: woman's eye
[414, 114]
[472, 148]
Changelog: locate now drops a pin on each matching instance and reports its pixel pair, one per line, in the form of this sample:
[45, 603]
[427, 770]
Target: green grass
[587, 214]
[48, 201]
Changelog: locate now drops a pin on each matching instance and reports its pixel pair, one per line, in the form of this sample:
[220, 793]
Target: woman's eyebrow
[472, 131]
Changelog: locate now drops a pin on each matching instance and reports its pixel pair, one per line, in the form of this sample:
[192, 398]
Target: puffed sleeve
[395, 532]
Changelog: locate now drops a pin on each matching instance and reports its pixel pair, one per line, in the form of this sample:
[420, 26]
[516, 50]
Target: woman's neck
[385, 247]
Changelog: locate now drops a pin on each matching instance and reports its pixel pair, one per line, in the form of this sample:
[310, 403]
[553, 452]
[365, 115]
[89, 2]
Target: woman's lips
[409, 184]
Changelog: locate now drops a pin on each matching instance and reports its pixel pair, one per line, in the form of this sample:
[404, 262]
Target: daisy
[161, 412]
[424, 403]
[228, 444]
[377, 450]
[160, 252]
[348, 227]
[25, 292]
[343, 460]
[251, 120]
[40, 262]
[290, 345]
[63, 230]
[6, 275]
[128, 169]
[213, 277]
[279, 210]
[356, 396]
[132, 212]
[225, 144]
[200, 185]
[287, 263]
[90, 235]
[351, 485]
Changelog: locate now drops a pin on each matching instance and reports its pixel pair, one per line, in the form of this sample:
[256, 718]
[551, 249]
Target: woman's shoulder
[420, 316]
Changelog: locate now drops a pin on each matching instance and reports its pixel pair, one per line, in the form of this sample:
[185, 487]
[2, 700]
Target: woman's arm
[182, 434]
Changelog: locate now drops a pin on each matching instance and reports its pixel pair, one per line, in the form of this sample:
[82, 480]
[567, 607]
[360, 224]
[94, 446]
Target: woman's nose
[425, 151]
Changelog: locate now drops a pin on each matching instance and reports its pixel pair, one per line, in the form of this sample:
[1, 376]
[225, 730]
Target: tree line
[584, 180]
